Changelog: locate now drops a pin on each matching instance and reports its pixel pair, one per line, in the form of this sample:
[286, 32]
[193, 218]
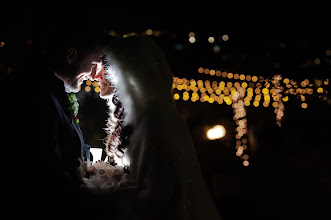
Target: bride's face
[106, 88]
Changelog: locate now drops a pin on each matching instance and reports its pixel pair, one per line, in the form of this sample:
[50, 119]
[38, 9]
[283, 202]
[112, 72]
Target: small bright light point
[87, 88]
[97, 89]
[216, 132]
[191, 34]
[225, 37]
[192, 40]
[149, 32]
[211, 40]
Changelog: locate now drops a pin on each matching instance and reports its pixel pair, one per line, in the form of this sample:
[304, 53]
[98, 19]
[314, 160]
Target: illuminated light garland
[277, 97]
[239, 117]
[241, 94]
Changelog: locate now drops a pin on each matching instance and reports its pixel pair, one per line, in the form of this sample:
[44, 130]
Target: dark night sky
[289, 171]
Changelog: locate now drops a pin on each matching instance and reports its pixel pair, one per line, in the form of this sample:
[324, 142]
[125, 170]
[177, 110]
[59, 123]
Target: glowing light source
[191, 40]
[216, 132]
[211, 40]
[225, 37]
[149, 32]
[87, 88]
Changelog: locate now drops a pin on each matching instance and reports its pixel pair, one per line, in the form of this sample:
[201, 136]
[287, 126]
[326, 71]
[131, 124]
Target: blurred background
[253, 89]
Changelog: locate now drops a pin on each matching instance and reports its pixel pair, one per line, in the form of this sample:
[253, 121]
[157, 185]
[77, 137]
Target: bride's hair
[117, 134]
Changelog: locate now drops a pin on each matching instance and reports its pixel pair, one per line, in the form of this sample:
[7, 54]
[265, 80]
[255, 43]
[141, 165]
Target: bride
[152, 171]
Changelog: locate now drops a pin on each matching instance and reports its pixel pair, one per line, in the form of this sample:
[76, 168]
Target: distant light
[225, 37]
[87, 88]
[192, 40]
[97, 89]
[317, 61]
[216, 132]
[95, 84]
[149, 32]
[191, 34]
[211, 40]
[304, 105]
[320, 90]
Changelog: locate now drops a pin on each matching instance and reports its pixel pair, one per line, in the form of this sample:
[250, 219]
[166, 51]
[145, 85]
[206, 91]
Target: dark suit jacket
[42, 147]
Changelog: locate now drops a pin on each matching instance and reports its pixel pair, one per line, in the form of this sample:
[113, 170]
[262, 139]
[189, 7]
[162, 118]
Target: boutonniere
[73, 106]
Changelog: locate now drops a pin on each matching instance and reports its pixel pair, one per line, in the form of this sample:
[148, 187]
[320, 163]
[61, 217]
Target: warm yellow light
[149, 32]
[265, 91]
[225, 37]
[211, 40]
[320, 90]
[87, 88]
[254, 78]
[88, 82]
[95, 84]
[229, 102]
[97, 89]
[216, 132]
[285, 99]
[176, 96]
[304, 105]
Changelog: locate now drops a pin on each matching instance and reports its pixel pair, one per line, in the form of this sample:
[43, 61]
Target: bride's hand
[99, 167]
[92, 169]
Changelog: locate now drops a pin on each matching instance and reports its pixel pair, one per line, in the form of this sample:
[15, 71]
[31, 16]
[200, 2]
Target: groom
[46, 135]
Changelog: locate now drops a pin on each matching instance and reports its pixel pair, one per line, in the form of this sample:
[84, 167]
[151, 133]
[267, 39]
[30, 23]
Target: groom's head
[70, 50]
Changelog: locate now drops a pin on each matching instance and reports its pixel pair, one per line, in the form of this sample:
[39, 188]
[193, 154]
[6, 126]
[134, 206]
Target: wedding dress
[164, 179]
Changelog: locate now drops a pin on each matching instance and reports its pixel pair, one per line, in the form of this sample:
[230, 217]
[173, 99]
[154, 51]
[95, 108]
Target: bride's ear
[71, 55]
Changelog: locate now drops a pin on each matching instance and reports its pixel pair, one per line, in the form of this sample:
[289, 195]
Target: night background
[288, 170]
